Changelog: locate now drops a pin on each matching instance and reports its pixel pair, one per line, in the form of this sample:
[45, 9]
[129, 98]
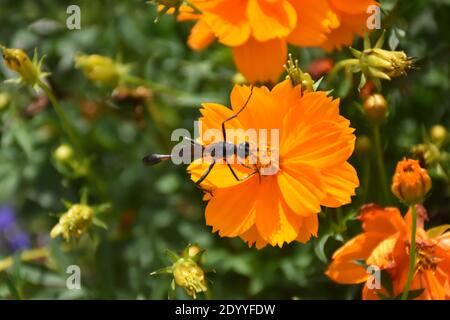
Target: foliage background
[158, 208]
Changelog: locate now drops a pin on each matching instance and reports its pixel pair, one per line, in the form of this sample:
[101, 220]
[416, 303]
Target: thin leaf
[437, 231]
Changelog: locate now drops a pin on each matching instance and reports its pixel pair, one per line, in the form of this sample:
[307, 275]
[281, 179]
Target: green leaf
[380, 41]
[319, 248]
[316, 84]
[437, 231]
[99, 223]
[412, 294]
[22, 137]
[165, 270]
[172, 255]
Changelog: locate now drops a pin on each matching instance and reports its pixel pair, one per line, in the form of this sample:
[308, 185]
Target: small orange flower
[315, 143]
[259, 30]
[410, 182]
[385, 243]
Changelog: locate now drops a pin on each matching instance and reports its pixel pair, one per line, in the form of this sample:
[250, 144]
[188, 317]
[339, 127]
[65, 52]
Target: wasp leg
[252, 174]
[246, 177]
[224, 132]
[205, 174]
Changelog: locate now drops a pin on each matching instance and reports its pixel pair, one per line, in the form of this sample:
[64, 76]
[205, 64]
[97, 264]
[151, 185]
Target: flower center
[265, 159]
[426, 260]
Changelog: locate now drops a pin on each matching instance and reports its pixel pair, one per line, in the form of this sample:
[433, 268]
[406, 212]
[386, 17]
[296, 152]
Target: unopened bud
[63, 153]
[376, 108]
[18, 61]
[438, 134]
[190, 276]
[74, 223]
[363, 146]
[100, 69]
[410, 183]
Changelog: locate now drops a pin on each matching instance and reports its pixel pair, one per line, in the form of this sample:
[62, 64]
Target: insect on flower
[222, 151]
[301, 164]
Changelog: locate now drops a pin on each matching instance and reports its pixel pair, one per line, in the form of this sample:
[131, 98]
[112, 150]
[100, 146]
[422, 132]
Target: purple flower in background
[19, 240]
[7, 218]
[10, 231]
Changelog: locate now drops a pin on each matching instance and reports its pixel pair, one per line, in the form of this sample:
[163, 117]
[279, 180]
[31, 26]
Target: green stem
[73, 137]
[67, 127]
[366, 178]
[412, 254]
[338, 66]
[380, 163]
[152, 85]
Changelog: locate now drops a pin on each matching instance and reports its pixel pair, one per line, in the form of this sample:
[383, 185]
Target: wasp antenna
[153, 159]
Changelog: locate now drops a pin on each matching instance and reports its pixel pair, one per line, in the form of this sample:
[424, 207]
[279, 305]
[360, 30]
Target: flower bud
[190, 276]
[427, 153]
[187, 271]
[297, 76]
[410, 182]
[438, 134]
[384, 64]
[193, 250]
[239, 78]
[63, 153]
[74, 223]
[376, 108]
[363, 146]
[18, 61]
[100, 69]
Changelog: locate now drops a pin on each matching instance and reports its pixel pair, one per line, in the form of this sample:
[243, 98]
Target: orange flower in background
[385, 243]
[259, 30]
[315, 143]
[410, 182]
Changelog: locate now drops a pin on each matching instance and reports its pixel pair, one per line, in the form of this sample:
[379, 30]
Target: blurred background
[158, 208]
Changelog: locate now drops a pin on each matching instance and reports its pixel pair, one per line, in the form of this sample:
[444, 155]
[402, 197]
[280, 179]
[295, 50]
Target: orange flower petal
[308, 228]
[227, 19]
[341, 182]
[315, 18]
[344, 268]
[381, 220]
[347, 272]
[352, 6]
[201, 36]
[232, 211]
[320, 145]
[228, 34]
[213, 115]
[270, 20]
[261, 61]
[383, 255]
[302, 189]
[219, 177]
[275, 222]
[252, 237]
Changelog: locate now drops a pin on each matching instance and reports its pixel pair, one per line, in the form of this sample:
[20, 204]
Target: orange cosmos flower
[312, 169]
[259, 30]
[385, 243]
[410, 182]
